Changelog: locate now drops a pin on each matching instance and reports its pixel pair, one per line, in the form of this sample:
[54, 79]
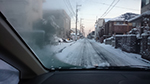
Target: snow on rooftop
[107, 19]
[117, 19]
[134, 18]
[146, 13]
[125, 17]
[143, 14]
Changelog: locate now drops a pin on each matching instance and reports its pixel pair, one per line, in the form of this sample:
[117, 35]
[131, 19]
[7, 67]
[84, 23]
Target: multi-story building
[91, 35]
[145, 6]
[114, 27]
[142, 22]
[62, 19]
[139, 21]
[22, 13]
[99, 28]
[105, 28]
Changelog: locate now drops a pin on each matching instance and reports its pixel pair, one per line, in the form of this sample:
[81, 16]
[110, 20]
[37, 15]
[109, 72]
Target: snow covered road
[85, 52]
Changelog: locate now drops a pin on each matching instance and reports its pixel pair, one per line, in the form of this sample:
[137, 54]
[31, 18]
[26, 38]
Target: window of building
[119, 22]
[143, 3]
[147, 2]
[134, 24]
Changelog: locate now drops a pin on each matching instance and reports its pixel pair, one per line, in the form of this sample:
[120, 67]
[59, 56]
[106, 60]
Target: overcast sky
[93, 9]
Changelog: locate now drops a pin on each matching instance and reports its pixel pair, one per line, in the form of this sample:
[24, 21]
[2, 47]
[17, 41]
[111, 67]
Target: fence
[130, 43]
[127, 43]
[145, 47]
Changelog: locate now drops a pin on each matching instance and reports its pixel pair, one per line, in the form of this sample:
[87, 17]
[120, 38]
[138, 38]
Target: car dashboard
[92, 77]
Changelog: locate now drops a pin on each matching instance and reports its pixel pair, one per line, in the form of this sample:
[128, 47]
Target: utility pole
[81, 25]
[76, 17]
[83, 31]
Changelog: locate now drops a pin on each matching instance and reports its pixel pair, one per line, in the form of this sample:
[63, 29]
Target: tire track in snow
[82, 59]
[82, 54]
[64, 48]
[73, 57]
[102, 56]
[112, 59]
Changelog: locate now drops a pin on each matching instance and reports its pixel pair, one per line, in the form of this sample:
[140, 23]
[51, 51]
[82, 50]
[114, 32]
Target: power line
[127, 8]
[117, 6]
[112, 7]
[69, 9]
[108, 8]
[72, 12]
[71, 6]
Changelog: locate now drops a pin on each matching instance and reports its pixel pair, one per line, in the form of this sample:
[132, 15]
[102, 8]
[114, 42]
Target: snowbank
[57, 39]
[132, 59]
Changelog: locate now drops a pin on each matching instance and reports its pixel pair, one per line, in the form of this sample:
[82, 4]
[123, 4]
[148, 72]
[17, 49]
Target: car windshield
[83, 33]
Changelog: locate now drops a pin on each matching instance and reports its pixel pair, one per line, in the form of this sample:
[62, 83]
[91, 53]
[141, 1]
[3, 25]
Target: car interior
[15, 52]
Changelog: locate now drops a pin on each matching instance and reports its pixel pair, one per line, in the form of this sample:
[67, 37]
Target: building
[22, 13]
[73, 35]
[118, 25]
[145, 6]
[113, 27]
[141, 22]
[62, 19]
[105, 28]
[91, 35]
[99, 28]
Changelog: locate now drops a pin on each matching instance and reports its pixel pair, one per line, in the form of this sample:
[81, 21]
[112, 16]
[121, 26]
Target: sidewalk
[129, 57]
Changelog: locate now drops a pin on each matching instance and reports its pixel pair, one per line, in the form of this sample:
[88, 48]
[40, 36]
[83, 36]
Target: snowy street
[85, 52]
